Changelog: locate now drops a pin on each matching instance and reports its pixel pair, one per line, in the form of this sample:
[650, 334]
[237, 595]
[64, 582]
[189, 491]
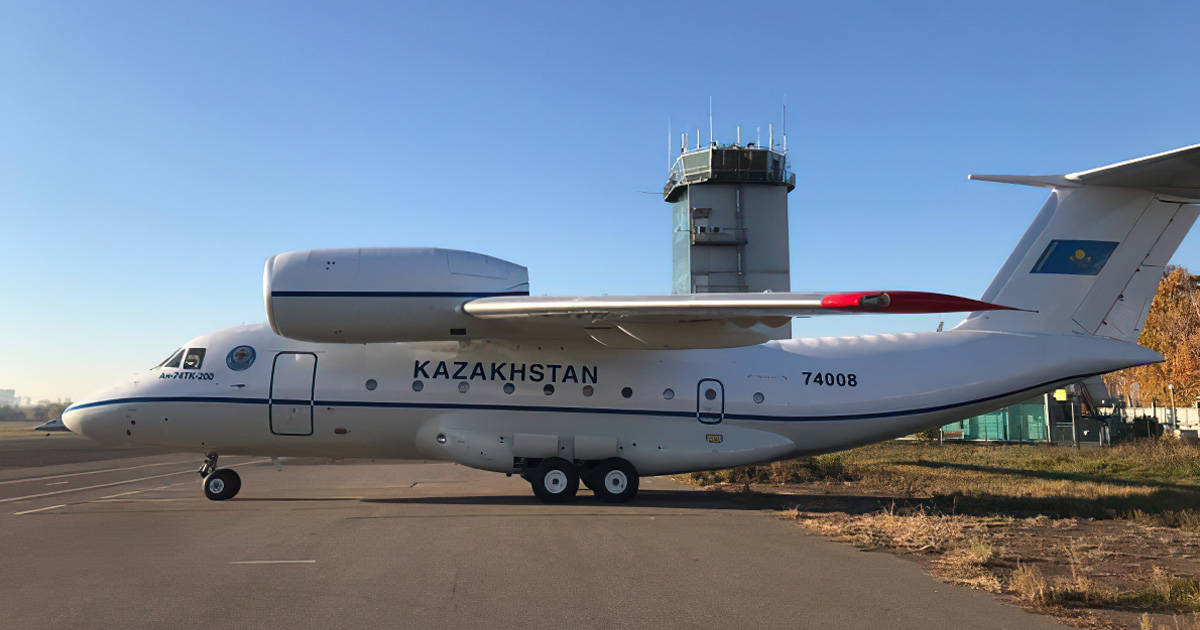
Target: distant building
[1062, 416]
[8, 397]
[1022, 422]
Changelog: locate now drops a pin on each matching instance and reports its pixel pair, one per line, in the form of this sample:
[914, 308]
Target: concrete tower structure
[729, 206]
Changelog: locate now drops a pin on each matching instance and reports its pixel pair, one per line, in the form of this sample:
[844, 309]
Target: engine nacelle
[382, 294]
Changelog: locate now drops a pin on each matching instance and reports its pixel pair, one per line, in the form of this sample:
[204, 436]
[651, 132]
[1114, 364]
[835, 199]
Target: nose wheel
[219, 483]
[222, 484]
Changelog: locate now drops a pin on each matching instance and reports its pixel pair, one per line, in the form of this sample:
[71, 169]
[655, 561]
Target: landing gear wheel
[222, 484]
[555, 480]
[616, 480]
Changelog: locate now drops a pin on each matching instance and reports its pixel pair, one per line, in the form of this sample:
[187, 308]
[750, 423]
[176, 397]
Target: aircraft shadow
[1167, 504]
[1054, 476]
[670, 499]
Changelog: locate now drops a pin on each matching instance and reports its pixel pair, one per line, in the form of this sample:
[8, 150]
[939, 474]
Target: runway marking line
[89, 472]
[118, 483]
[119, 494]
[273, 562]
[58, 483]
[41, 509]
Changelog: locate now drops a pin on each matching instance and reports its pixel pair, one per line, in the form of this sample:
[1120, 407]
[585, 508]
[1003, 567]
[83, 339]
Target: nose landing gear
[219, 483]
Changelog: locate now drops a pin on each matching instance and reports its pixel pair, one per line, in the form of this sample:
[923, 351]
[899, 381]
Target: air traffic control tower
[729, 206]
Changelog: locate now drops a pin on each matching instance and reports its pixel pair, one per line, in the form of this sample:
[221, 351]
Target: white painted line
[118, 483]
[119, 494]
[90, 472]
[58, 483]
[102, 485]
[41, 509]
[274, 562]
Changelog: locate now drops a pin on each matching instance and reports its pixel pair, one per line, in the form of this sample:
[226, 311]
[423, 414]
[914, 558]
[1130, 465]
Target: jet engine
[384, 294]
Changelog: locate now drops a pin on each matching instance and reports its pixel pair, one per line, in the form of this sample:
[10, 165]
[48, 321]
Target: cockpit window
[171, 361]
[193, 359]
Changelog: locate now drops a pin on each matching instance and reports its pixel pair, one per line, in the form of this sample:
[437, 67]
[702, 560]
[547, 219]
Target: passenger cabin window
[193, 359]
[171, 361]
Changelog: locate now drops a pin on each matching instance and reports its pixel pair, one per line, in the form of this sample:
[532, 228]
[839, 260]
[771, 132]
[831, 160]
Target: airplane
[52, 425]
[443, 354]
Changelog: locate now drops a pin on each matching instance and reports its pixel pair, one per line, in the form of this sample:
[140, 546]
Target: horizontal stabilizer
[1172, 173]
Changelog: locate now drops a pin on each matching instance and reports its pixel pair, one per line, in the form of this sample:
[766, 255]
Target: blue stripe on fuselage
[690, 413]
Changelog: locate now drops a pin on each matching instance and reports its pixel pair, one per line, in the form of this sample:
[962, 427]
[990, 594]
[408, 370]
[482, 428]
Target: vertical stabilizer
[1091, 260]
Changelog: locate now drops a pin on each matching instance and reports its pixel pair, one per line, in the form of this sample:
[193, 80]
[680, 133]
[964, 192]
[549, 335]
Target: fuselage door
[710, 401]
[293, 377]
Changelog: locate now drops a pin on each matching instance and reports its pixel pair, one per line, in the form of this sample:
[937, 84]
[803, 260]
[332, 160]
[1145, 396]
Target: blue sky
[153, 155]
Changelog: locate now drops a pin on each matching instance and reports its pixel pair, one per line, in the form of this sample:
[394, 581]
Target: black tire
[222, 484]
[616, 480]
[555, 480]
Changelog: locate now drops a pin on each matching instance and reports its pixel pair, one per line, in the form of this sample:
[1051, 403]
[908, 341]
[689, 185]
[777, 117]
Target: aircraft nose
[95, 421]
[72, 417]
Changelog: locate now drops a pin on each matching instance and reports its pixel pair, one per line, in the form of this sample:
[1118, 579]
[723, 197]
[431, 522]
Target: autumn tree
[1173, 330]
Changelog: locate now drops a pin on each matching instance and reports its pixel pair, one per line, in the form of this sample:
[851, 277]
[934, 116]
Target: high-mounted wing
[703, 320]
[399, 294]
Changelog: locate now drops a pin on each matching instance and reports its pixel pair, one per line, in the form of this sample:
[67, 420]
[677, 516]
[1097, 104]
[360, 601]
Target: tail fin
[1092, 259]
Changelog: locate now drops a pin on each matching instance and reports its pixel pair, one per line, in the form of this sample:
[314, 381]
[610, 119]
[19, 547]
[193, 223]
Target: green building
[1022, 422]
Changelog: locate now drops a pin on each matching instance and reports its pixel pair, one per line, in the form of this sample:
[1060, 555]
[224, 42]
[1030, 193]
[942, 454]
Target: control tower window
[171, 361]
[193, 359]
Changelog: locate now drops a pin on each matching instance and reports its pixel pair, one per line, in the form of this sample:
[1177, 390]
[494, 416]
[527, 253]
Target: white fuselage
[663, 411]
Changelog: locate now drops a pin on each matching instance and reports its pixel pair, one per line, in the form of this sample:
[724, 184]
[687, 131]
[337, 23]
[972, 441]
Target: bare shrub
[1028, 583]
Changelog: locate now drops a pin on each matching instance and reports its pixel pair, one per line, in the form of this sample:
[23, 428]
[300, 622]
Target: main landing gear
[219, 483]
[556, 480]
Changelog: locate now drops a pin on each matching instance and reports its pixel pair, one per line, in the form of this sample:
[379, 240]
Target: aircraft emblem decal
[240, 358]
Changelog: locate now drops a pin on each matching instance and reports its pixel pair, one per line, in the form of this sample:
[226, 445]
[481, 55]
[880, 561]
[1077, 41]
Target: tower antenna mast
[785, 124]
[711, 140]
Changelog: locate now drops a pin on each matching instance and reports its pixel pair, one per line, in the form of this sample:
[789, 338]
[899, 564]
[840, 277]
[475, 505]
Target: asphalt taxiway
[128, 540]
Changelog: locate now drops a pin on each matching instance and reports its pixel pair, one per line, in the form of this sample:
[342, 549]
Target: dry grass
[969, 564]
[910, 531]
[1160, 591]
[1156, 482]
[1095, 537]
[1028, 584]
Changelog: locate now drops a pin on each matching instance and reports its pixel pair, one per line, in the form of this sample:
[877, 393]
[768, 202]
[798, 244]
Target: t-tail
[1092, 259]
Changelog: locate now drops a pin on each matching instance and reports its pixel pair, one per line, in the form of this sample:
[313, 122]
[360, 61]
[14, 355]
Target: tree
[1173, 330]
